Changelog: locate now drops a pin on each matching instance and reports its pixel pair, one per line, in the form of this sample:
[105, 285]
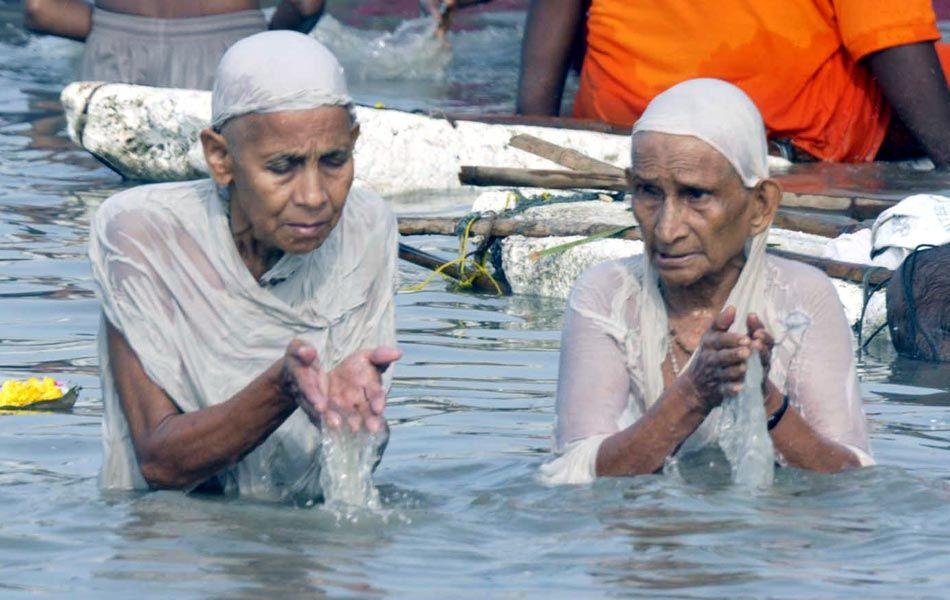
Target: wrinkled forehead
[685, 158]
[320, 127]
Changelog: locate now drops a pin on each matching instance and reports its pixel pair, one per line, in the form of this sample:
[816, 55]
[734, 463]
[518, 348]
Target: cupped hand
[351, 395]
[718, 369]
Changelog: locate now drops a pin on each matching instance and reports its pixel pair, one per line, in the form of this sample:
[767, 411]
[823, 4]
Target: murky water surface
[471, 413]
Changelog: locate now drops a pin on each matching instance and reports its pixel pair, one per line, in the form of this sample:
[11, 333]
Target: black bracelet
[775, 417]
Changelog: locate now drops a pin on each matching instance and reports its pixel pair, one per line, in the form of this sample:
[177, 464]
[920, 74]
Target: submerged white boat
[151, 134]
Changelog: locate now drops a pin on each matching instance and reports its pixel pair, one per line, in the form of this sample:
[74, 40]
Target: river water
[471, 413]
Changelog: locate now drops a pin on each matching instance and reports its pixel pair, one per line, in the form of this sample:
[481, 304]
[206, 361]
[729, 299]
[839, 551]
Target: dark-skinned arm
[717, 371]
[551, 31]
[177, 450]
[298, 15]
[64, 18]
[803, 447]
[643, 447]
[914, 83]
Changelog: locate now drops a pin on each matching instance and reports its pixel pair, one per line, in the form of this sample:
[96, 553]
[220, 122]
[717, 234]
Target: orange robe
[797, 60]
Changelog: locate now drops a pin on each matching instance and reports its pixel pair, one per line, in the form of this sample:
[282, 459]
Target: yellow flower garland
[23, 393]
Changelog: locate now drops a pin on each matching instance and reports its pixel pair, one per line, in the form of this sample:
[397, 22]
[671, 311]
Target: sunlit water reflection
[471, 414]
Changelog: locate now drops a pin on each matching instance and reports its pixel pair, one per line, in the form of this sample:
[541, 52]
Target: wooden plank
[566, 157]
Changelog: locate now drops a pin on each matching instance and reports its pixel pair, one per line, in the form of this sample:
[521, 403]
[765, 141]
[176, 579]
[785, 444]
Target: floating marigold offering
[36, 393]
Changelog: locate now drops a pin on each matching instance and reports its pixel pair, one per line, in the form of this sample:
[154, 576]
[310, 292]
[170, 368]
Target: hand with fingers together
[718, 369]
[349, 396]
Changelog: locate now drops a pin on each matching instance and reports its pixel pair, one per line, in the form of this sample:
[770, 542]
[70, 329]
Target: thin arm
[915, 85]
[551, 31]
[177, 450]
[643, 447]
[64, 18]
[299, 15]
[803, 447]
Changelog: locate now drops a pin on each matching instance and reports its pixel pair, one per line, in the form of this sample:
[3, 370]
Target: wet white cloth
[276, 71]
[172, 282]
[616, 332]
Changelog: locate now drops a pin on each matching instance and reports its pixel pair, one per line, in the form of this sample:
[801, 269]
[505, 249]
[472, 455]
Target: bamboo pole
[506, 227]
[837, 269]
[541, 178]
[846, 271]
[856, 206]
[536, 121]
[824, 225]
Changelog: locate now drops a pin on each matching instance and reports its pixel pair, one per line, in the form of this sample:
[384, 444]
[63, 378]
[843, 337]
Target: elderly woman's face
[291, 173]
[694, 212]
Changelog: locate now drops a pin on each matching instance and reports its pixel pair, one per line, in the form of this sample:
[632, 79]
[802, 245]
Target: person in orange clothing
[842, 80]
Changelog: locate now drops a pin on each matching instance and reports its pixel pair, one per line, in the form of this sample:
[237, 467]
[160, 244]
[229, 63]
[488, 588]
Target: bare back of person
[176, 9]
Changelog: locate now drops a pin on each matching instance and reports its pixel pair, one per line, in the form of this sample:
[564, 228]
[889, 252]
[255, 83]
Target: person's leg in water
[441, 12]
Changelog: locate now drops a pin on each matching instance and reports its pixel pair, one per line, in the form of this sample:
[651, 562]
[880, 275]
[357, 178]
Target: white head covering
[717, 113]
[275, 71]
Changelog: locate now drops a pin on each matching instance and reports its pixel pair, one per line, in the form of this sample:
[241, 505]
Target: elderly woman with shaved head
[653, 344]
[247, 313]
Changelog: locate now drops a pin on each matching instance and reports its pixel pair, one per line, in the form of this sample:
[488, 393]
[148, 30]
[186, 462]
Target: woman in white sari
[653, 344]
[246, 313]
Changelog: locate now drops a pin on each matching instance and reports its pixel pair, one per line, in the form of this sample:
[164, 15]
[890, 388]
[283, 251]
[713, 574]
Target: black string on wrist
[775, 417]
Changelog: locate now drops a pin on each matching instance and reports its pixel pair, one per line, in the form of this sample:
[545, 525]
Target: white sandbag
[914, 221]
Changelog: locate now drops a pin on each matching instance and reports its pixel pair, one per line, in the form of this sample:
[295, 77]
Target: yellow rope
[477, 268]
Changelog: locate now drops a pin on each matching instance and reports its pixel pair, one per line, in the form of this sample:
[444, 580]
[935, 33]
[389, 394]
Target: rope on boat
[476, 262]
[868, 290]
[907, 283]
[477, 266]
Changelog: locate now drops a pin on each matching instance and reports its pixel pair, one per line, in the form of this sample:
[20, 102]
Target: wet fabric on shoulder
[170, 53]
[171, 280]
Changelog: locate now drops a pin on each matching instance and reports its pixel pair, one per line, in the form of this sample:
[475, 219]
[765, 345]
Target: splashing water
[347, 461]
[743, 435]
[410, 52]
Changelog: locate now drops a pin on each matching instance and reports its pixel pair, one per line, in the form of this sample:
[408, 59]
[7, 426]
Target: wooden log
[846, 271]
[856, 206]
[566, 157]
[506, 227]
[829, 226]
[541, 178]
[536, 121]
[837, 269]
[429, 261]
[824, 225]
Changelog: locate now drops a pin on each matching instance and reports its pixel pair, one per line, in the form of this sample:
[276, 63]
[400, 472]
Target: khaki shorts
[174, 53]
